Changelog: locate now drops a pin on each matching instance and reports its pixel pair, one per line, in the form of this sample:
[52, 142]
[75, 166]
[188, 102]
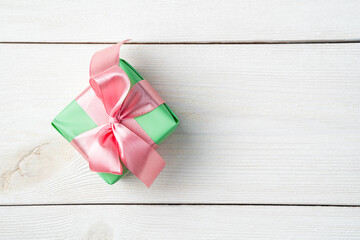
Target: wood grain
[179, 222]
[258, 124]
[179, 21]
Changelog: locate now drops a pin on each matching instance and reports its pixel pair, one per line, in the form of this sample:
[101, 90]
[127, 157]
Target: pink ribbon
[108, 144]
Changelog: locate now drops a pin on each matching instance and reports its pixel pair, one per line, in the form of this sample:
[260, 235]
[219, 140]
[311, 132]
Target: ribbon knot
[109, 145]
[113, 120]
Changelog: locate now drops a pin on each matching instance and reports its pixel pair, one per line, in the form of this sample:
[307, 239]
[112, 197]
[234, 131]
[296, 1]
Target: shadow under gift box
[73, 120]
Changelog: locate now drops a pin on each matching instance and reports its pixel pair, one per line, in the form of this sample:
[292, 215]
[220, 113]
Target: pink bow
[108, 144]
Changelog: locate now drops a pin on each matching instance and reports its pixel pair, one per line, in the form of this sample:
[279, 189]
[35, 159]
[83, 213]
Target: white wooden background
[268, 97]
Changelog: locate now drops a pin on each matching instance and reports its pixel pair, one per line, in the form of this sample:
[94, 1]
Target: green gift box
[74, 120]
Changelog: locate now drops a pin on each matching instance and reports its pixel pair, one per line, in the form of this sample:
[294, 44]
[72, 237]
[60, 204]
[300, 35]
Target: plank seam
[201, 43]
[182, 204]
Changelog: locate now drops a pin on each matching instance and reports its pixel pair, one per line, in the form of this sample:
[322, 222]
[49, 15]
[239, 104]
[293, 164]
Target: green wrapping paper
[158, 124]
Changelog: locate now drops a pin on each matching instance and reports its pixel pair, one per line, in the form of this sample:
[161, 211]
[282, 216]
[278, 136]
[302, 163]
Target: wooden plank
[179, 222]
[259, 124]
[179, 21]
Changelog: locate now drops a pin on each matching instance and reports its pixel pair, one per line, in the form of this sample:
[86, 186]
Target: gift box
[87, 112]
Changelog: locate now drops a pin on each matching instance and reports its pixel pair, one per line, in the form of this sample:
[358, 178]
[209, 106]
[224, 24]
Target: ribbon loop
[141, 99]
[111, 87]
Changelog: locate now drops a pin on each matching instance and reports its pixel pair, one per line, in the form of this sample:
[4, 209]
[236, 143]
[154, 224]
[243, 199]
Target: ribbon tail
[105, 58]
[99, 147]
[137, 155]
